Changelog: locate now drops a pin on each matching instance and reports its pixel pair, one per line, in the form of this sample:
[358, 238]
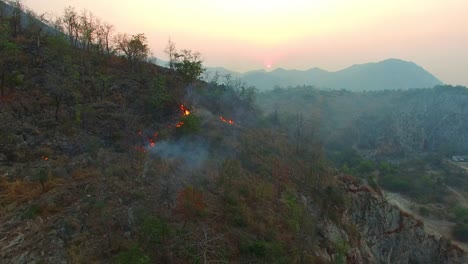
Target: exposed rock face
[394, 236]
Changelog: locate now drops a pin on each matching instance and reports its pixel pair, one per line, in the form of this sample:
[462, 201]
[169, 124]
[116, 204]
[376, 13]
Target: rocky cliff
[392, 235]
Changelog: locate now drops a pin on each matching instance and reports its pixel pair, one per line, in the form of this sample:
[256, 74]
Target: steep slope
[394, 236]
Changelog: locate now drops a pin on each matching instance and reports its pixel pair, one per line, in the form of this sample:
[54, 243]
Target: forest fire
[184, 110]
[229, 121]
[150, 139]
[45, 158]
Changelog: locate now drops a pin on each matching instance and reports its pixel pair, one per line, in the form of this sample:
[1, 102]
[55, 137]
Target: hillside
[106, 158]
[398, 123]
[400, 140]
[391, 74]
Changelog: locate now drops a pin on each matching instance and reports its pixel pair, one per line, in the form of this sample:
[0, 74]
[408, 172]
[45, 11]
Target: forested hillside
[106, 158]
[391, 122]
[402, 141]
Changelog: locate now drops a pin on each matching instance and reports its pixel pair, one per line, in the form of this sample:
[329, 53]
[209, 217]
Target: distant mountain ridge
[391, 74]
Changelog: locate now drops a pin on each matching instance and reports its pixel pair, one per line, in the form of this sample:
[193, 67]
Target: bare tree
[206, 245]
[105, 36]
[70, 21]
[171, 51]
[88, 30]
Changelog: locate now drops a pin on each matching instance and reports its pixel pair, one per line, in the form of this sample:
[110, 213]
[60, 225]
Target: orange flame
[229, 121]
[45, 158]
[151, 141]
[184, 110]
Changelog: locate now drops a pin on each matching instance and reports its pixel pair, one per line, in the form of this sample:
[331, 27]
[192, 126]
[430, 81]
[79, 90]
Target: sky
[244, 35]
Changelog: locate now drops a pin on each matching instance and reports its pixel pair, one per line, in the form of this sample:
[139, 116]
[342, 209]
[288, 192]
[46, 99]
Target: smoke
[191, 151]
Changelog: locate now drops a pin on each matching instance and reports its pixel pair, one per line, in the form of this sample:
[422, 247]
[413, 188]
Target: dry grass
[21, 191]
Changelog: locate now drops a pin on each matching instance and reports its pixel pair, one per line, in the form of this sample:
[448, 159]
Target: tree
[205, 245]
[171, 52]
[188, 65]
[190, 204]
[35, 27]
[59, 65]
[103, 35]
[87, 28]
[107, 31]
[2, 11]
[70, 20]
[9, 53]
[15, 19]
[134, 48]
[298, 132]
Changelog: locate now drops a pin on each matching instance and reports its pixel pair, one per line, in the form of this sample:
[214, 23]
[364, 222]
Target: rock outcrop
[394, 236]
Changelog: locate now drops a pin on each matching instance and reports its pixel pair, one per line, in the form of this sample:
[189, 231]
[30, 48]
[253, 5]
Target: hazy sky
[296, 34]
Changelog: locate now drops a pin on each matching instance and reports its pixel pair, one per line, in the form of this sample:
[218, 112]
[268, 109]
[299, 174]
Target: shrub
[424, 211]
[460, 232]
[341, 251]
[134, 255]
[461, 214]
[189, 125]
[155, 230]
[257, 248]
[31, 212]
[42, 177]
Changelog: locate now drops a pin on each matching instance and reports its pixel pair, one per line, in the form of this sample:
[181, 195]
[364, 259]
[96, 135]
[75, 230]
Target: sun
[268, 66]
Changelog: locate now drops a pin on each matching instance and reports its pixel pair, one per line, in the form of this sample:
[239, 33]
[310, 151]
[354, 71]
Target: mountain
[392, 74]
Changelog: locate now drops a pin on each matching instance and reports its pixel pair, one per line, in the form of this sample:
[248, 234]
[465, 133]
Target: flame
[229, 121]
[45, 158]
[184, 110]
[151, 141]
